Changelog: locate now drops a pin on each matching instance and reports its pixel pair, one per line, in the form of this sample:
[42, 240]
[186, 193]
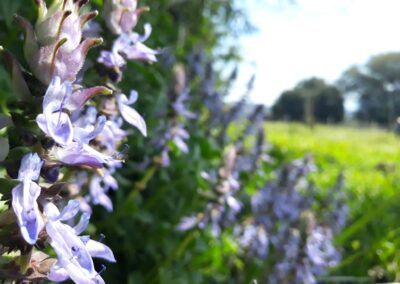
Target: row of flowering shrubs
[203, 173]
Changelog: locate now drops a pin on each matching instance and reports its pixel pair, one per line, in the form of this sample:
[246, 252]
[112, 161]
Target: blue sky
[312, 38]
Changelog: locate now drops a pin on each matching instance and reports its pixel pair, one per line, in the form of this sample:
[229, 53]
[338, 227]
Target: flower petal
[30, 167]
[70, 210]
[83, 223]
[132, 117]
[59, 127]
[99, 250]
[26, 210]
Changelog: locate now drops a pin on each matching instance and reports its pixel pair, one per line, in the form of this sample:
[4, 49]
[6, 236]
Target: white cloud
[314, 38]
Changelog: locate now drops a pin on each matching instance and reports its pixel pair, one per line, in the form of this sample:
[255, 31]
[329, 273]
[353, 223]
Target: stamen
[120, 155]
[103, 268]
[101, 238]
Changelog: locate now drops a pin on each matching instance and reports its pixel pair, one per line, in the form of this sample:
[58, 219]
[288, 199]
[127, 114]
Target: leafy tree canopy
[310, 98]
[377, 87]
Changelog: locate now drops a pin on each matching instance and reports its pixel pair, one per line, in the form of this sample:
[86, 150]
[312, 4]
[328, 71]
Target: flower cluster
[121, 18]
[173, 131]
[65, 147]
[283, 222]
[223, 206]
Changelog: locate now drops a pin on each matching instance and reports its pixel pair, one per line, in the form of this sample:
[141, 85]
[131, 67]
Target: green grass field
[370, 160]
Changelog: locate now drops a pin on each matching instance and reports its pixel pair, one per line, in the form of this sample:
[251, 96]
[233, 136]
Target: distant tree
[377, 87]
[311, 100]
[290, 106]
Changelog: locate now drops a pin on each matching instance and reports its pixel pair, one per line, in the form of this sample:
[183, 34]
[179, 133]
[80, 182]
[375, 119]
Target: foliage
[311, 100]
[376, 85]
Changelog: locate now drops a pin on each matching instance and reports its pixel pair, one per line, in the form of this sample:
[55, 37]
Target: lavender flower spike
[24, 198]
[129, 114]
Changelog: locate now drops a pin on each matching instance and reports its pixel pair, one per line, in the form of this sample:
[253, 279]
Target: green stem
[24, 260]
[138, 186]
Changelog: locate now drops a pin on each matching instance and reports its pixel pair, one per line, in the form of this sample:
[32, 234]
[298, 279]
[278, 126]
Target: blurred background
[272, 153]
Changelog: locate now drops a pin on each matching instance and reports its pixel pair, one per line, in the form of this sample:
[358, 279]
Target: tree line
[375, 86]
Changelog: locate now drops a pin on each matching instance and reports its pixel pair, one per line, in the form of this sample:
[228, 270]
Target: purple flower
[179, 105]
[320, 248]
[131, 46]
[112, 135]
[165, 160]
[82, 154]
[74, 253]
[178, 135]
[59, 96]
[111, 59]
[99, 186]
[255, 238]
[83, 135]
[187, 223]
[129, 114]
[53, 121]
[24, 198]
[122, 15]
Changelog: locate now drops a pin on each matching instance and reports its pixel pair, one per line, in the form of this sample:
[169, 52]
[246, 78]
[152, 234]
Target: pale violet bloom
[86, 127]
[59, 96]
[24, 197]
[98, 187]
[320, 248]
[178, 135]
[112, 134]
[131, 46]
[180, 107]
[74, 252]
[187, 223]
[129, 114]
[165, 159]
[254, 237]
[53, 121]
[122, 15]
[86, 133]
[82, 155]
[111, 59]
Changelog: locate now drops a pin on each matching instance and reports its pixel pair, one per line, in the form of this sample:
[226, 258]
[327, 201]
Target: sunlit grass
[369, 157]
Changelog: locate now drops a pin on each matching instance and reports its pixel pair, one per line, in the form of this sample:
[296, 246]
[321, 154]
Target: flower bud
[47, 142]
[53, 46]
[50, 173]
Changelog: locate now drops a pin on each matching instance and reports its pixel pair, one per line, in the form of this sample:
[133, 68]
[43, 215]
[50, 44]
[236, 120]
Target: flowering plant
[63, 150]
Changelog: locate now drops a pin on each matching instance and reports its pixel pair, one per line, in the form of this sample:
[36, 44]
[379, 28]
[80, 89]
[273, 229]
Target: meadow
[369, 160]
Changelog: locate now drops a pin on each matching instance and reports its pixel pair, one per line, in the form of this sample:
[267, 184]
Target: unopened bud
[47, 142]
[50, 172]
